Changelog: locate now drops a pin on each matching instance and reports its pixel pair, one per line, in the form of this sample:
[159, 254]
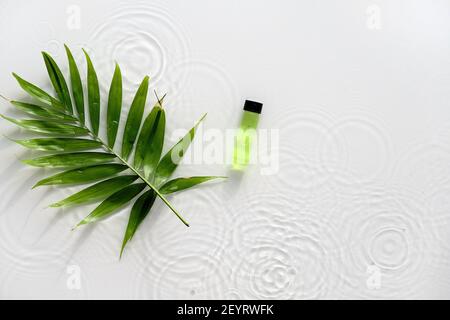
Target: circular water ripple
[40, 272]
[144, 39]
[430, 165]
[358, 145]
[426, 166]
[389, 248]
[438, 202]
[188, 277]
[167, 242]
[24, 230]
[268, 272]
[300, 132]
[41, 228]
[203, 208]
[385, 230]
[44, 37]
[99, 243]
[318, 149]
[206, 86]
[182, 114]
[281, 250]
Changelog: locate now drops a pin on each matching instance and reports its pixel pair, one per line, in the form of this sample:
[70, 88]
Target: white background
[360, 205]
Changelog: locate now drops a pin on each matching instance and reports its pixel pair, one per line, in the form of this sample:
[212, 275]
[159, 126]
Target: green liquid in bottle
[246, 134]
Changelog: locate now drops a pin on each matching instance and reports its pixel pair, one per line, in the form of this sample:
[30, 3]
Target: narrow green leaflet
[58, 81]
[77, 87]
[37, 92]
[83, 175]
[59, 144]
[148, 128]
[114, 106]
[48, 127]
[172, 158]
[179, 184]
[98, 191]
[38, 111]
[93, 95]
[134, 119]
[155, 142]
[138, 213]
[113, 202]
[67, 160]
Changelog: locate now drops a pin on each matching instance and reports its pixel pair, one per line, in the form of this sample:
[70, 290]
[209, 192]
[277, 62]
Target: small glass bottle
[246, 134]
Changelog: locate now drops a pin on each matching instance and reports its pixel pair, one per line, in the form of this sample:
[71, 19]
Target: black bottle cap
[253, 106]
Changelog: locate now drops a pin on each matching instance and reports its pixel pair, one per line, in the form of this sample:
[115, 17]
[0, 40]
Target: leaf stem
[143, 179]
[140, 175]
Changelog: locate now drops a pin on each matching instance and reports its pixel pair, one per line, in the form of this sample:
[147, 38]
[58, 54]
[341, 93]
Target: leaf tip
[27, 161]
[202, 118]
[40, 183]
[82, 222]
[55, 205]
[121, 251]
[86, 55]
[18, 78]
[45, 55]
[8, 118]
[68, 52]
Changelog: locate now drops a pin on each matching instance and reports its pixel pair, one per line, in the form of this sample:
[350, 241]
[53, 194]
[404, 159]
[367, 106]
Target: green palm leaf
[113, 202]
[179, 184]
[47, 127]
[67, 160]
[134, 119]
[55, 118]
[93, 95]
[97, 191]
[155, 144]
[114, 107]
[77, 86]
[38, 111]
[58, 81]
[172, 158]
[38, 93]
[138, 213]
[150, 123]
[83, 175]
[59, 144]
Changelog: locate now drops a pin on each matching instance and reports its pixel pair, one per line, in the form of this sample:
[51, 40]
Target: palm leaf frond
[112, 177]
